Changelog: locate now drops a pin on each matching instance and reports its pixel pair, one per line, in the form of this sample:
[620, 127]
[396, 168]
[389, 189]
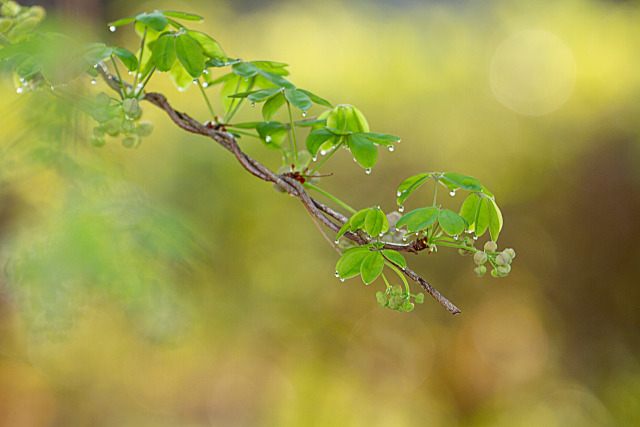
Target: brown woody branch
[315, 208]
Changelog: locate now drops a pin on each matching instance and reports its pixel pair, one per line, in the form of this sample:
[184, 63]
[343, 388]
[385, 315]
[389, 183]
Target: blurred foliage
[165, 286]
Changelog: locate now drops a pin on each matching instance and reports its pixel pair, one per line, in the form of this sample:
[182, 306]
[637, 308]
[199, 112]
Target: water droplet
[367, 171]
[455, 237]
[452, 193]
[246, 79]
[268, 138]
[337, 241]
[140, 85]
[398, 194]
[94, 82]
[95, 65]
[20, 90]
[52, 87]
[399, 141]
[112, 29]
[401, 208]
[315, 159]
[205, 71]
[342, 280]
[131, 73]
[323, 152]
[391, 148]
[304, 113]
[475, 237]
[354, 159]
[380, 235]
[253, 104]
[404, 238]
[205, 84]
[336, 273]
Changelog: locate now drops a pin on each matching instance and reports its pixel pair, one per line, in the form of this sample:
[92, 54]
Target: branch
[318, 210]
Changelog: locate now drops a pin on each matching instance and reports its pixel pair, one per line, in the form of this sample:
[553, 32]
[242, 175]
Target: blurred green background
[165, 286]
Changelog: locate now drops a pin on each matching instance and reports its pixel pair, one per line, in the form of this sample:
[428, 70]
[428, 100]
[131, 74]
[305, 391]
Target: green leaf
[374, 222]
[298, 98]
[276, 79]
[246, 125]
[245, 69]
[483, 217]
[356, 121]
[128, 59]
[357, 219]
[309, 123]
[181, 15]
[343, 229]
[179, 77]
[349, 264]
[272, 106]
[452, 223]
[154, 20]
[209, 46]
[242, 94]
[469, 209]
[419, 219]
[315, 98]
[371, 267]
[364, 151]
[462, 181]
[190, 55]
[316, 138]
[272, 67]
[411, 184]
[394, 257]
[380, 137]
[272, 133]
[96, 52]
[261, 95]
[163, 52]
[495, 220]
[121, 22]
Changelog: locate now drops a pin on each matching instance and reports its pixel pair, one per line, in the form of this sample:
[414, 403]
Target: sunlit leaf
[394, 257]
[209, 46]
[128, 59]
[349, 264]
[261, 95]
[483, 217]
[374, 222]
[409, 185]
[245, 69]
[179, 77]
[190, 55]
[276, 79]
[462, 181]
[495, 222]
[154, 20]
[371, 267]
[316, 138]
[272, 106]
[357, 219]
[315, 98]
[298, 98]
[363, 150]
[181, 15]
[419, 219]
[452, 223]
[163, 52]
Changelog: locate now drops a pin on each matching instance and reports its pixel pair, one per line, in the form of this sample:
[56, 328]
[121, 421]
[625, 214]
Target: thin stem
[293, 133]
[115, 66]
[385, 281]
[330, 196]
[435, 191]
[335, 148]
[144, 37]
[242, 132]
[393, 267]
[229, 113]
[139, 90]
[206, 99]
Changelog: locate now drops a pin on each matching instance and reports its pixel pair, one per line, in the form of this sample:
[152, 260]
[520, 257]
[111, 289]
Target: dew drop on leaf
[401, 208]
[20, 90]
[475, 237]
[112, 29]
[205, 71]
[314, 159]
[342, 280]
[323, 152]
[205, 84]
[452, 193]
[94, 81]
[367, 171]
[336, 273]
[268, 138]
[398, 194]
[391, 148]
[195, 81]
[455, 237]
[304, 113]
[253, 104]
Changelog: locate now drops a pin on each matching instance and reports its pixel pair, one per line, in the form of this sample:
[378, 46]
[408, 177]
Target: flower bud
[99, 132]
[131, 108]
[97, 141]
[144, 128]
[503, 259]
[5, 24]
[127, 126]
[408, 306]
[101, 114]
[419, 298]
[131, 141]
[396, 290]
[490, 246]
[480, 270]
[10, 8]
[399, 299]
[382, 301]
[511, 253]
[503, 271]
[113, 127]
[480, 258]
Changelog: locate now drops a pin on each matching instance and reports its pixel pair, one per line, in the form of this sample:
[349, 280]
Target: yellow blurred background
[165, 286]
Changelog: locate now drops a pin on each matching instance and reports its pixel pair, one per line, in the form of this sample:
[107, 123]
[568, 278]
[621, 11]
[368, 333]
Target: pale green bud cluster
[118, 119]
[395, 298]
[500, 261]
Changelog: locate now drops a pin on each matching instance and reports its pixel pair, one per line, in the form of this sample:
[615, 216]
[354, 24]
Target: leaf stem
[385, 281]
[435, 190]
[231, 111]
[139, 90]
[242, 132]
[330, 196]
[115, 66]
[206, 99]
[144, 37]
[335, 148]
[393, 267]
[293, 133]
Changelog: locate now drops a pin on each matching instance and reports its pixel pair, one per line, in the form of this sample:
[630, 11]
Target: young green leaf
[190, 55]
[276, 79]
[181, 15]
[364, 151]
[128, 59]
[452, 223]
[374, 222]
[272, 67]
[179, 77]
[298, 98]
[272, 133]
[357, 219]
[121, 22]
[343, 229]
[245, 69]
[411, 184]
[96, 52]
[371, 267]
[469, 209]
[349, 264]
[495, 221]
[483, 217]
[420, 219]
[261, 95]
[154, 20]
[462, 181]
[315, 98]
[209, 46]
[395, 257]
[272, 106]
[163, 52]
[316, 138]
[380, 138]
